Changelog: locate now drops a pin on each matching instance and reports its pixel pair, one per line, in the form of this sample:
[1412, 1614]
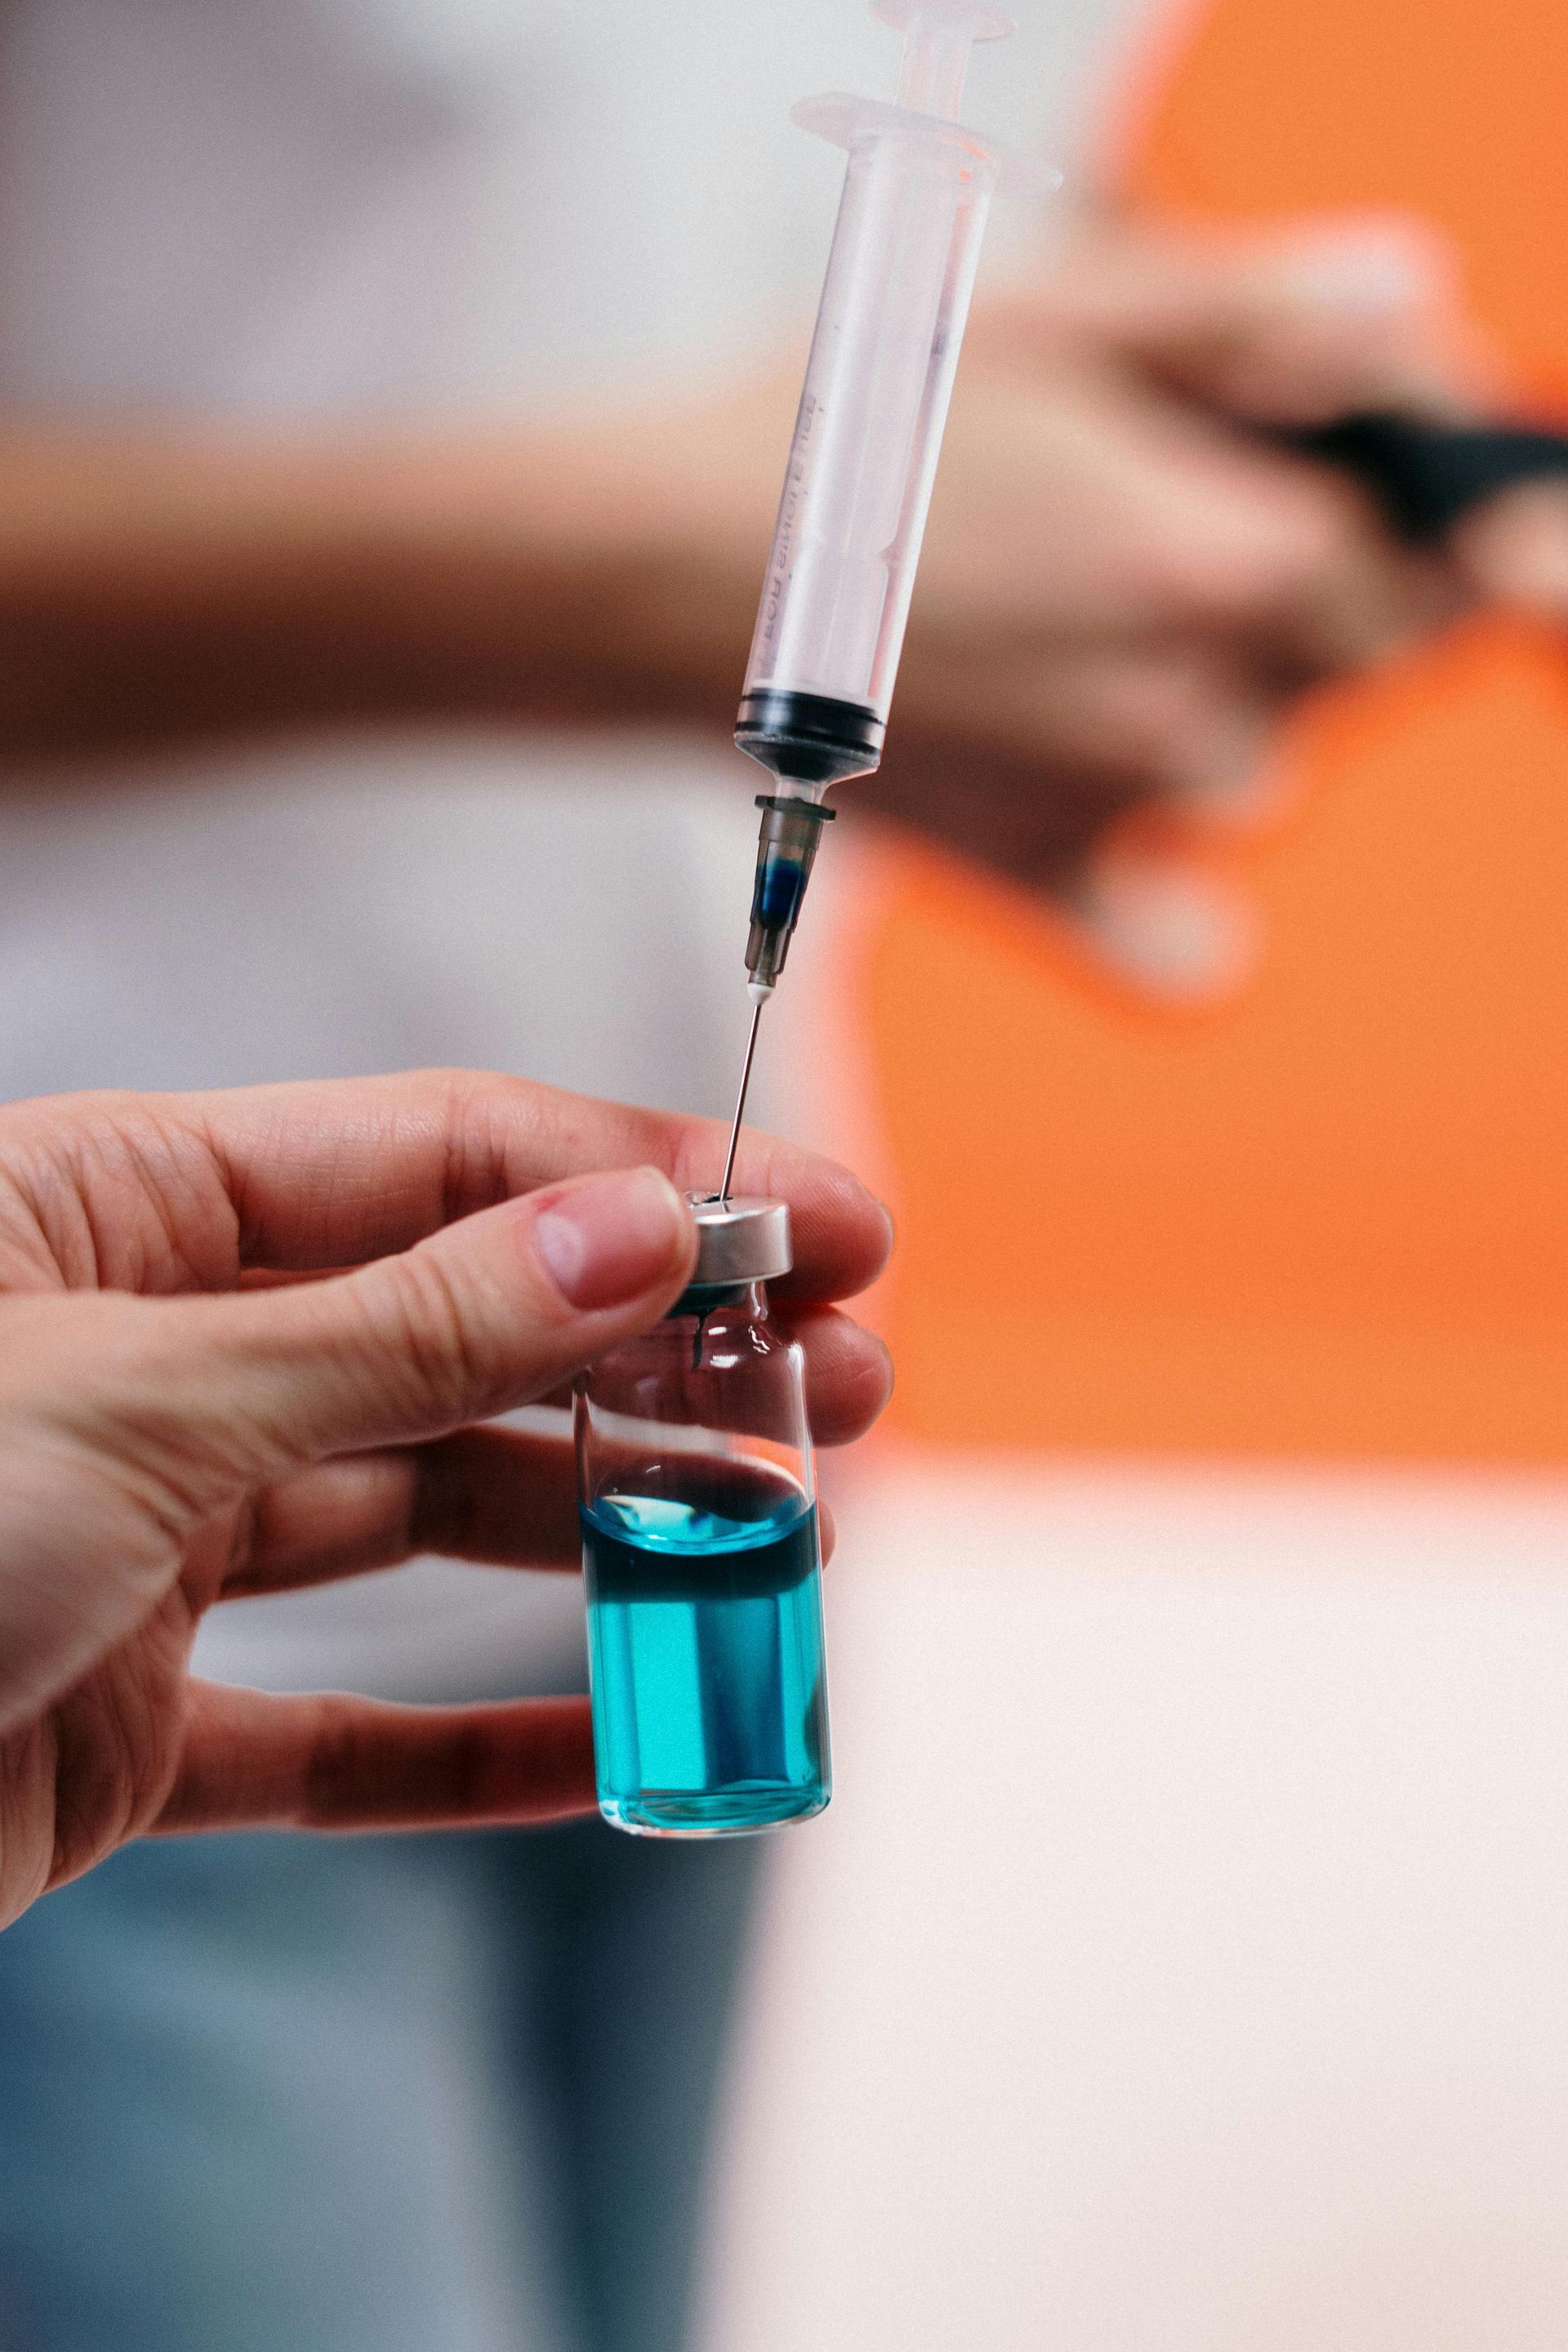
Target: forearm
[175, 583]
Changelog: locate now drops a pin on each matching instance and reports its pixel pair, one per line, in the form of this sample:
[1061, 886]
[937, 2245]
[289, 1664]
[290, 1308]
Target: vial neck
[704, 1298]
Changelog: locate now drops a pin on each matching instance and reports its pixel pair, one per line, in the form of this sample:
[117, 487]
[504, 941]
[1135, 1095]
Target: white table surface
[1182, 1964]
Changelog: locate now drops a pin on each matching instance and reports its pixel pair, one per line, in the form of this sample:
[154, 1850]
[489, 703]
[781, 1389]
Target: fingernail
[610, 1238]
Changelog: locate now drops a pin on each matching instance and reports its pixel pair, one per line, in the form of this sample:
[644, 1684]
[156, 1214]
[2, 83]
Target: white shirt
[333, 208]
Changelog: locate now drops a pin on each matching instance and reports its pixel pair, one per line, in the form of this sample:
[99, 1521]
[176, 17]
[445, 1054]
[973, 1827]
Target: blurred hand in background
[1127, 591]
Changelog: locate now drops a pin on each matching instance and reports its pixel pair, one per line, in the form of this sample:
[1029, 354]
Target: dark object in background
[1426, 477]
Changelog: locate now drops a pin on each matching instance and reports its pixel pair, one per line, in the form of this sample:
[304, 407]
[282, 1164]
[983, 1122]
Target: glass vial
[701, 1553]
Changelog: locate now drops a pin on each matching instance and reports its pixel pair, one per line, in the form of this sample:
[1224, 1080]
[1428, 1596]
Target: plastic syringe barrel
[863, 459]
[862, 462]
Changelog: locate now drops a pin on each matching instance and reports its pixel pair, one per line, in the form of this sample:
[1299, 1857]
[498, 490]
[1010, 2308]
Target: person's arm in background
[1122, 593]
[174, 1436]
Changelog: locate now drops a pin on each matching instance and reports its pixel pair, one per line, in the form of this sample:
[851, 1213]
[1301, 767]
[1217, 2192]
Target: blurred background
[1180, 1964]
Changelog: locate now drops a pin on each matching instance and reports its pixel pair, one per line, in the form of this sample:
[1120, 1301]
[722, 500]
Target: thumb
[210, 1395]
[128, 1422]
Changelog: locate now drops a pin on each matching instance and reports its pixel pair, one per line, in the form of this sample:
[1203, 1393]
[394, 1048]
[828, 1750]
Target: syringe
[858, 482]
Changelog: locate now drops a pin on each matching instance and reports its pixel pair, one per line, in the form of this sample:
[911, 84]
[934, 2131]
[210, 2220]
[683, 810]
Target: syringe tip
[759, 991]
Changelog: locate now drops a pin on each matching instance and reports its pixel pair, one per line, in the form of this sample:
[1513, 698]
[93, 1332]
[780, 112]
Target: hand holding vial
[248, 1335]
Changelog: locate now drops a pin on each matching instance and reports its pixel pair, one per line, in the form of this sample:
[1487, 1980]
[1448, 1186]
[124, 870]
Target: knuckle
[432, 1336]
[333, 1764]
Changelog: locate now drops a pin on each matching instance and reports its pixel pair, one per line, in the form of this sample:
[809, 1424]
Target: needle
[740, 1107]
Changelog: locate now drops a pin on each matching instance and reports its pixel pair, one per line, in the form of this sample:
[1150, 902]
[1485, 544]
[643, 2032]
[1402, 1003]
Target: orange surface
[1332, 1217]
[1443, 107]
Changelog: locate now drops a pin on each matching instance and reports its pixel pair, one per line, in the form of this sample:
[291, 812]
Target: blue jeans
[446, 2095]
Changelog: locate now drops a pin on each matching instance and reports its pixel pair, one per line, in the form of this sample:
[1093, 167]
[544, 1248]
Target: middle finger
[505, 1497]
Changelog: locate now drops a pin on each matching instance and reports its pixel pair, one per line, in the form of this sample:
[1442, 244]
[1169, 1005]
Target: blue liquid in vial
[706, 1663]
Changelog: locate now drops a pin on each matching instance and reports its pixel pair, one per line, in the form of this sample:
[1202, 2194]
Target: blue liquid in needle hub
[706, 1661]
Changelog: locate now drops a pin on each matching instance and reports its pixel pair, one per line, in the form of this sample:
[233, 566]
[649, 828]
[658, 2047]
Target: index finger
[331, 1174]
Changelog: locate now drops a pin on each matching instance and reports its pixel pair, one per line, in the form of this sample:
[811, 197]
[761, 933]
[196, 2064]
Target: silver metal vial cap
[741, 1239]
